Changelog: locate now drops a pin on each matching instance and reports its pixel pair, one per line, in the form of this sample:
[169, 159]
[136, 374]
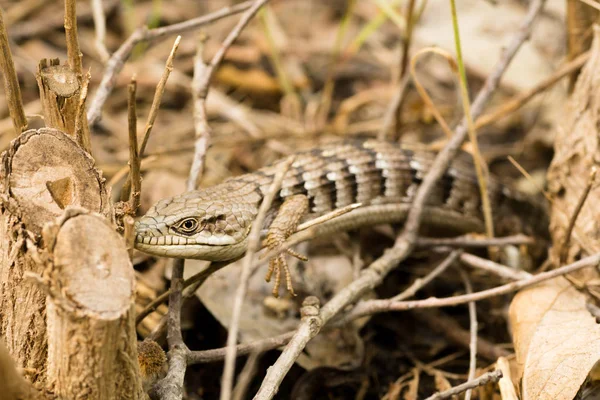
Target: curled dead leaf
[557, 340]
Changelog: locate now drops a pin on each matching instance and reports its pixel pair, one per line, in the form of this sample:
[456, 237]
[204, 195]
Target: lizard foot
[284, 224]
[278, 263]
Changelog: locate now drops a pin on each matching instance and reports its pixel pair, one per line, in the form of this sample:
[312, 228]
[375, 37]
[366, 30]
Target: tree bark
[92, 348]
[41, 173]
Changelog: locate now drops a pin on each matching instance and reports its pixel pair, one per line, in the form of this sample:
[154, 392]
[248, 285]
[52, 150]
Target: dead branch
[471, 384]
[160, 90]
[11, 82]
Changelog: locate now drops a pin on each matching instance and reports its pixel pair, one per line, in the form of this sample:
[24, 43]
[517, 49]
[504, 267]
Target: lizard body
[213, 223]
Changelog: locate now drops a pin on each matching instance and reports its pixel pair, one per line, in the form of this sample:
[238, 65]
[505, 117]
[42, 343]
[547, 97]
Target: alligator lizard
[213, 223]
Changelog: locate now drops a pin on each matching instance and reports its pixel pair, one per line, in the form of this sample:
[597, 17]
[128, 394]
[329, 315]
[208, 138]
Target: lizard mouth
[208, 252]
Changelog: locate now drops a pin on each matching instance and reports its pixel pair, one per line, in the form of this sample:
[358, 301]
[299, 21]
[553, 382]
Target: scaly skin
[213, 224]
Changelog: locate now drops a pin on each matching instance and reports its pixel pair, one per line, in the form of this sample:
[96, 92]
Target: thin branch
[171, 387]
[484, 379]
[522, 98]
[246, 376]
[408, 37]
[564, 248]
[329, 85]
[117, 60]
[82, 133]
[387, 126]
[73, 52]
[470, 241]
[473, 331]
[134, 159]
[160, 89]
[419, 283]
[495, 268]
[100, 28]
[410, 24]
[201, 127]
[233, 35]
[253, 247]
[11, 82]
[207, 356]
[174, 337]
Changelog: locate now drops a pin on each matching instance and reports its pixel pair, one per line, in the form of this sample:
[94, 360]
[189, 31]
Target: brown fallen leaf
[557, 341]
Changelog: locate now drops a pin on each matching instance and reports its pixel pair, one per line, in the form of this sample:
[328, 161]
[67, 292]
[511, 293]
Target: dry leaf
[556, 339]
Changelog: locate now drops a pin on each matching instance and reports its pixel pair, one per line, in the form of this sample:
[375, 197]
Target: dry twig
[11, 82]
[160, 89]
[419, 283]
[564, 248]
[171, 387]
[493, 267]
[522, 98]
[201, 127]
[246, 376]
[470, 241]
[73, 52]
[134, 159]
[472, 330]
[484, 379]
[253, 246]
[100, 28]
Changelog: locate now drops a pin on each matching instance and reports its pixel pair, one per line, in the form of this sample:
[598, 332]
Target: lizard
[213, 223]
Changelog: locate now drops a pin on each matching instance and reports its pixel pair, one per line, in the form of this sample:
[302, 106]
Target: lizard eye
[188, 225]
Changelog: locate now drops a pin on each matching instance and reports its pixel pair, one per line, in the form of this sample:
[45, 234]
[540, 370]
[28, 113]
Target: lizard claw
[282, 227]
[276, 264]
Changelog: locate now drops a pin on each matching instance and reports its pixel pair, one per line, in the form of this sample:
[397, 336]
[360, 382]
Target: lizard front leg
[286, 221]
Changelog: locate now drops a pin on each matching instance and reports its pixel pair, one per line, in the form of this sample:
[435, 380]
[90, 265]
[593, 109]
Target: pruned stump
[41, 173]
[92, 348]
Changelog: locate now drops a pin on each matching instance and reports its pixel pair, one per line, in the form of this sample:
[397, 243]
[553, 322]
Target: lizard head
[210, 224]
